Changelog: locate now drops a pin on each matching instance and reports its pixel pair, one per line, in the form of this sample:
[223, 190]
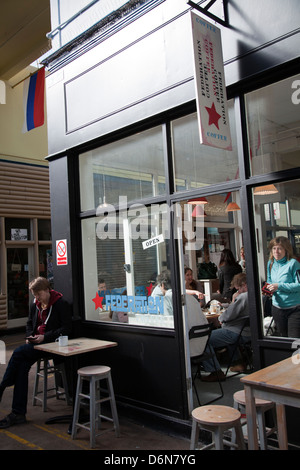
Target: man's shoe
[12, 419]
[218, 376]
[238, 368]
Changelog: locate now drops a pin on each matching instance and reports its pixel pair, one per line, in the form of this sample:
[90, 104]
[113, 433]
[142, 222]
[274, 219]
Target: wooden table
[279, 383]
[75, 346]
[73, 349]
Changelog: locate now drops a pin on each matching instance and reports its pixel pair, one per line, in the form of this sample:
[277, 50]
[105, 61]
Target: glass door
[17, 284]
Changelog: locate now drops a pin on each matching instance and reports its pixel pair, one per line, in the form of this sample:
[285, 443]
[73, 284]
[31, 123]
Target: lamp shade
[265, 190]
[198, 200]
[198, 211]
[232, 206]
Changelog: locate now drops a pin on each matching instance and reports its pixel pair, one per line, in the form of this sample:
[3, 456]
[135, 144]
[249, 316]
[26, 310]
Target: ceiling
[23, 28]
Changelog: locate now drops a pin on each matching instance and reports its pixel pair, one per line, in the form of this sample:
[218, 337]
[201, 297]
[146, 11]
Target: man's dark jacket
[58, 322]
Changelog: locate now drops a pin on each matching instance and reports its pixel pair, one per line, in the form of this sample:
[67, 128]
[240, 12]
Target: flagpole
[28, 76]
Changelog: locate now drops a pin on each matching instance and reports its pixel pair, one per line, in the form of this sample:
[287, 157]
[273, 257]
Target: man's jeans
[219, 339]
[17, 374]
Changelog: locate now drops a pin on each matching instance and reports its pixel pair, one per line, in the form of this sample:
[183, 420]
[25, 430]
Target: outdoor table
[73, 349]
[279, 383]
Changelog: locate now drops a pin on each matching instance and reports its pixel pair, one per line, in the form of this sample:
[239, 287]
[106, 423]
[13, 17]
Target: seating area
[233, 398]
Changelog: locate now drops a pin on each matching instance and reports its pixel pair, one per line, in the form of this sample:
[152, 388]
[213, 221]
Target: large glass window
[273, 121]
[199, 165]
[132, 167]
[277, 214]
[124, 254]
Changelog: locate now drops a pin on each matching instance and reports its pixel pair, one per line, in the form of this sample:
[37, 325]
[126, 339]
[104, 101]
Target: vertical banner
[210, 84]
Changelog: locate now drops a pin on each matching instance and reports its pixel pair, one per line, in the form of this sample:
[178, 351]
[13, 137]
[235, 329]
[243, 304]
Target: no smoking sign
[61, 252]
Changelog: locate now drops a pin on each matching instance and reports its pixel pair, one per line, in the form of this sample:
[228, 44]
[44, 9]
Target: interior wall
[31, 147]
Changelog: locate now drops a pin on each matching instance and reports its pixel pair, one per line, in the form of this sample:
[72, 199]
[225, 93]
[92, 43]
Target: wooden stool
[43, 370]
[94, 374]
[217, 419]
[261, 407]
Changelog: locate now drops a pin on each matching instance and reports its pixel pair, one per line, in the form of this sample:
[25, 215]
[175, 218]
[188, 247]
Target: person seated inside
[195, 317]
[193, 287]
[228, 268]
[164, 288]
[232, 321]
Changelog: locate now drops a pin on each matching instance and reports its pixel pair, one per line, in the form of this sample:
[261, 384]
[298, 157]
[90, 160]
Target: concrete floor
[36, 435]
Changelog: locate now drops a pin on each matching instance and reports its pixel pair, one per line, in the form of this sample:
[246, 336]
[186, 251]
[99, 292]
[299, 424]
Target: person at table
[49, 317]
[242, 261]
[228, 268]
[232, 321]
[193, 287]
[164, 288]
[284, 287]
[195, 317]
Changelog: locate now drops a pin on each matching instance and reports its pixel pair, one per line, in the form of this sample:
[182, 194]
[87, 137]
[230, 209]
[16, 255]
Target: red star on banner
[149, 289]
[213, 116]
[98, 301]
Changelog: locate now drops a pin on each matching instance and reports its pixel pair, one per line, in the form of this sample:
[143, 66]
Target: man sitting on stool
[232, 321]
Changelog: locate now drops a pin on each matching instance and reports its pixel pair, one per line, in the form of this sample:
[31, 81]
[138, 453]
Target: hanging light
[104, 204]
[265, 190]
[198, 200]
[232, 206]
[198, 211]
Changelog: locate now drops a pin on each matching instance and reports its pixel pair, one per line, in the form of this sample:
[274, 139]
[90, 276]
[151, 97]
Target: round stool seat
[216, 415]
[93, 370]
[239, 397]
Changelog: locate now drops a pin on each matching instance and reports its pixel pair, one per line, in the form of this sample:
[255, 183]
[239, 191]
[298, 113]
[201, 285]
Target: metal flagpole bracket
[205, 11]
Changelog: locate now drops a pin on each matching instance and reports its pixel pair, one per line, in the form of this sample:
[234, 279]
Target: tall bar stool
[217, 419]
[239, 403]
[45, 367]
[94, 375]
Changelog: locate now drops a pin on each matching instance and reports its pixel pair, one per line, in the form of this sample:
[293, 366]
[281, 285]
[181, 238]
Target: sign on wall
[61, 253]
[210, 84]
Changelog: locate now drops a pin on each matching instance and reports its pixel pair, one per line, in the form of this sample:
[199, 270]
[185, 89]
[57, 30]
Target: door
[18, 275]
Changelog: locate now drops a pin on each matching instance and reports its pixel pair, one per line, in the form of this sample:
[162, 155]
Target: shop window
[124, 253]
[44, 229]
[201, 165]
[274, 126]
[17, 229]
[277, 214]
[133, 167]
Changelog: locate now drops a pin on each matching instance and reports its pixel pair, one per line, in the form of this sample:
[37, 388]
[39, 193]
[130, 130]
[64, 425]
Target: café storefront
[129, 177]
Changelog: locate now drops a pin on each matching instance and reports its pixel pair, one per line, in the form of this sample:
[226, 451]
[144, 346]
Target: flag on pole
[33, 100]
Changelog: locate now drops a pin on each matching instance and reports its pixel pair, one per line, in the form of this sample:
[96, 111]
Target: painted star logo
[213, 116]
[98, 301]
[149, 289]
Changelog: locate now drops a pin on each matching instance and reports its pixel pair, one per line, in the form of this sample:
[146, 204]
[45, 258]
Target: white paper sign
[210, 84]
[153, 241]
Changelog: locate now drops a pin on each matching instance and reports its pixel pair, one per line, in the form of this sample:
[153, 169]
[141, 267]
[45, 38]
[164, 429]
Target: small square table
[75, 346]
[73, 349]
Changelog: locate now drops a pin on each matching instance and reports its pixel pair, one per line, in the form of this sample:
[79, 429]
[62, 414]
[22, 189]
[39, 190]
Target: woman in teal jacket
[285, 287]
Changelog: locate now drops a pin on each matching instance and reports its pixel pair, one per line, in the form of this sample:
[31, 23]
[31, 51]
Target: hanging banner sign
[210, 84]
[61, 253]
